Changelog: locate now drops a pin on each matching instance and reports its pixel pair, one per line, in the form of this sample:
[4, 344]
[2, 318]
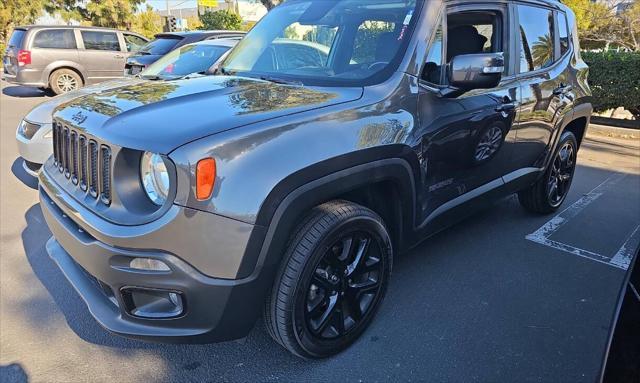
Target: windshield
[318, 42]
[160, 46]
[185, 60]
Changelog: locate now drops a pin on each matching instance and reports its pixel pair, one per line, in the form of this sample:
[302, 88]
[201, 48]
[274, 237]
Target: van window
[134, 43]
[537, 44]
[55, 39]
[16, 38]
[102, 41]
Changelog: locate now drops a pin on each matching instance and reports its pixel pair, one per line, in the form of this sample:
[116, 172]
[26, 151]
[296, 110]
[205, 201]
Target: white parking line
[621, 259]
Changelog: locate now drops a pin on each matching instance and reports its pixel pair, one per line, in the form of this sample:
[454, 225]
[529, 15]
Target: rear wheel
[550, 191]
[332, 281]
[64, 80]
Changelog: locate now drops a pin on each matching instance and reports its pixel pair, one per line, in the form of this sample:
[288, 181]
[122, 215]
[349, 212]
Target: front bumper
[214, 309]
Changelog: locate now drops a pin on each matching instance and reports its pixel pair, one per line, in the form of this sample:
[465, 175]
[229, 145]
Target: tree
[193, 22]
[17, 12]
[147, 23]
[223, 19]
[112, 13]
[610, 24]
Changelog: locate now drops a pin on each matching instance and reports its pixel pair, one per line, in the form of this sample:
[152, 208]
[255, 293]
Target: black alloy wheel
[561, 174]
[332, 280]
[344, 285]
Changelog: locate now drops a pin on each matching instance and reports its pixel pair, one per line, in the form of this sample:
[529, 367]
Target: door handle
[119, 56]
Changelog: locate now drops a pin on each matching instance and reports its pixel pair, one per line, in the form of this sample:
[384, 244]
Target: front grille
[83, 161]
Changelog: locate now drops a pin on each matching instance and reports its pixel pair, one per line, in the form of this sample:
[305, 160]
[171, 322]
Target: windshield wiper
[152, 77]
[277, 80]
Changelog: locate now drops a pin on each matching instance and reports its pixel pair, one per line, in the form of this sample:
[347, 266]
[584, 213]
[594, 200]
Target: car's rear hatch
[10, 58]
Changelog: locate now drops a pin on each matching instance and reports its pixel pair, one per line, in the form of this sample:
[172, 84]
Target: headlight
[28, 129]
[155, 178]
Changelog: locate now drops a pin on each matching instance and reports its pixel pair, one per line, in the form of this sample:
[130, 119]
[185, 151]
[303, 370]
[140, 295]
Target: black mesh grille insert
[74, 157]
[83, 162]
[93, 168]
[105, 156]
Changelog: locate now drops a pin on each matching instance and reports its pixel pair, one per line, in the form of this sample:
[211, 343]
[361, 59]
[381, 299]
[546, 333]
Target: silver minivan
[65, 58]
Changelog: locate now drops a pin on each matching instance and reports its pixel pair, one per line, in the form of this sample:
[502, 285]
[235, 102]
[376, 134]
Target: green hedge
[614, 78]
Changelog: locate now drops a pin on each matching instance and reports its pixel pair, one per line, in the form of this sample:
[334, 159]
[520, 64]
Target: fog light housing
[148, 264]
[152, 303]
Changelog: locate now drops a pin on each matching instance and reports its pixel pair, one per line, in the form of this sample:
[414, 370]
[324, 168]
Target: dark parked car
[166, 42]
[64, 58]
[182, 211]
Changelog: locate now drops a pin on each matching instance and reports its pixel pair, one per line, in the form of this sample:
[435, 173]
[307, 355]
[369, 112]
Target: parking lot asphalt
[503, 296]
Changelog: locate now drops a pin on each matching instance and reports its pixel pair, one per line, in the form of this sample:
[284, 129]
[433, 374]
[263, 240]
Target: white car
[34, 134]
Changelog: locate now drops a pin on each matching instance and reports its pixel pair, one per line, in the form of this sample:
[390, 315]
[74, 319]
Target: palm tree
[543, 51]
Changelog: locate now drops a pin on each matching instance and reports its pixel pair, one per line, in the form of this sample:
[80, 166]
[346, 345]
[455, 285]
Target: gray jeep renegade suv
[182, 211]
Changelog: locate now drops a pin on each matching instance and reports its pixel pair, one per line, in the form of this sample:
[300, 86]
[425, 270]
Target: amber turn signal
[205, 178]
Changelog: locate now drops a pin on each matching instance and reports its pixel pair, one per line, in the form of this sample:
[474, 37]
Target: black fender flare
[282, 211]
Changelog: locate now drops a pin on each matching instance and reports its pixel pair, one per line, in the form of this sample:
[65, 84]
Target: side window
[536, 38]
[374, 42]
[102, 41]
[468, 32]
[55, 38]
[563, 31]
[432, 72]
[134, 43]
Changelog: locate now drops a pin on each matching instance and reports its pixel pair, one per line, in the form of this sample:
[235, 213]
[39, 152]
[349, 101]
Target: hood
[42, 113]
[144, 60]
[160, 116]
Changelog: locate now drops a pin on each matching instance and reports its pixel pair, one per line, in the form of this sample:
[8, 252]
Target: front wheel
[332, 281]
[549, 192]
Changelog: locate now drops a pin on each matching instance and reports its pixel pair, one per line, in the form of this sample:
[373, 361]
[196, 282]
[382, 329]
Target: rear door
[53, 45]
[10, 55]
[544, 83]
[103, 56]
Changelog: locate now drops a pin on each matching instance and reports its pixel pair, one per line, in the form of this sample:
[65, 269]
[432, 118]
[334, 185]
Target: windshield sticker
[405, 25]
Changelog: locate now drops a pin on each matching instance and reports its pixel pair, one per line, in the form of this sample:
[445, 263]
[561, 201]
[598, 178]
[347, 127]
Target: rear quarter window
[55, 39]
[16, 38]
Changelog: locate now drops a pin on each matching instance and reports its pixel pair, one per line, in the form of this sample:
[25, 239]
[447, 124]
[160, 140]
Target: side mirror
[475, 71]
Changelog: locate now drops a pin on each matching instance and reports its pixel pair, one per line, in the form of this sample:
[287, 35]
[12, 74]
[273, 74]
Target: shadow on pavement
[23, 91]
[13, 373]
[18, 170]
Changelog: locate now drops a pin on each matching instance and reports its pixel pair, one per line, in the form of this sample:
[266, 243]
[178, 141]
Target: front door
[466, 141]
[102, 57]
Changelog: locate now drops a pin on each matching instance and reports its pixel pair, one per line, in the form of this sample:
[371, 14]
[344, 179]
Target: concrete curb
[610, 131]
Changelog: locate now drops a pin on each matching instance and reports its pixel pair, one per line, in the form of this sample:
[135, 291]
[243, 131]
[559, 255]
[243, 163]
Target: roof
[207, 33]
[218, 42]
[28, 27]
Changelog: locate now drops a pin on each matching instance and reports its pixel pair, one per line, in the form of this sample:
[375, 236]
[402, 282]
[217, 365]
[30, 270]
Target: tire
[540, 197]
[320, 279]
[64, 80]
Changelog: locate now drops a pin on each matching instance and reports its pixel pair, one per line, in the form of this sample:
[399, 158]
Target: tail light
[205, 178]
[24, 57]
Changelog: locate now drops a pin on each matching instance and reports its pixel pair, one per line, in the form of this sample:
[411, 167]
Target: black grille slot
[66, 146]
[74, 158]
[93, 168]
[56, 158]
[60, 152]
[105, 170]
[82, 142]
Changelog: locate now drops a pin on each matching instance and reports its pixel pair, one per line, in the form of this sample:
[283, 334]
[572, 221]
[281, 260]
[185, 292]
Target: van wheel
[333, 278]
[550, 191]
[64, 80]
